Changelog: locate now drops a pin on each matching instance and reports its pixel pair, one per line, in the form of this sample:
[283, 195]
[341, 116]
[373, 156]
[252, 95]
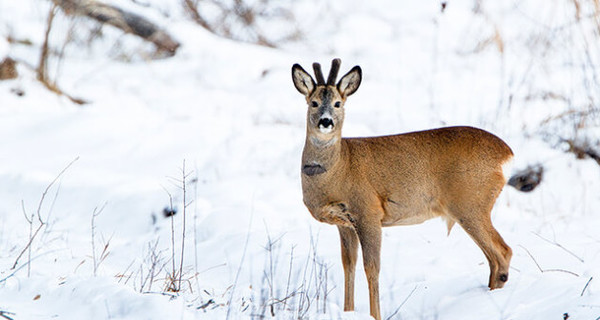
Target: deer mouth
[325, 125]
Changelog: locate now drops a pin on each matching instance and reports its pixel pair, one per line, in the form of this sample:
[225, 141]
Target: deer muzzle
[326, 124]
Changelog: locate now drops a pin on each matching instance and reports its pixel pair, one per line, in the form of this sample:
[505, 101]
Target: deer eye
[314, 104]
[337, 104]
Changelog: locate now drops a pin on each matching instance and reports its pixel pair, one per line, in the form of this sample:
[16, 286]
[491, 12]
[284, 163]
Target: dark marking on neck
[313, 169]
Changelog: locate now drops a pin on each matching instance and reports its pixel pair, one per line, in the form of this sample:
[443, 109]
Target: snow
[229, 113]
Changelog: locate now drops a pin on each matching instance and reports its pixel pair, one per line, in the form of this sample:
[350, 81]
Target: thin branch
[30, 221]
[4, 314]
[547, 270]
[191, 8]
[560, 246]
[172, 231]
[14, 272]
[289, 277]
[96, 213]
[586, 286]
[183, 187]
[51, 184]
[39, 209]
[42, 69]
[402, 304]
[239, 270]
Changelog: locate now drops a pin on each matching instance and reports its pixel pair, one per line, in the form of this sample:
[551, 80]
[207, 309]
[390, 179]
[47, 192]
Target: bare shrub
[149, 270]
[126, 21]
[42, 222]
[175, 277]
[97, 259]
[299, 290]
[575, 131]
[560, 49]
[263, 22]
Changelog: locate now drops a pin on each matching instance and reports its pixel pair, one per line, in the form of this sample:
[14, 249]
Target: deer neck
[320, 156]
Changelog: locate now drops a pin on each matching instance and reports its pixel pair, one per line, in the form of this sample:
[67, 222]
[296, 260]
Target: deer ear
[302, 80]
[350, 82]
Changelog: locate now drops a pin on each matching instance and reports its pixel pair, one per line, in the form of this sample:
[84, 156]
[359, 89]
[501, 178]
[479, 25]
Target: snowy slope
[230, 111]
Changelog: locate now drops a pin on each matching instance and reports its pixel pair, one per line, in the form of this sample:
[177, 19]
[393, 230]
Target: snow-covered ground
[226, 113]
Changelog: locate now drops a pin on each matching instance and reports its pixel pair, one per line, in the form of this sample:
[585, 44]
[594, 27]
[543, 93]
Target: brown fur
[369, 183]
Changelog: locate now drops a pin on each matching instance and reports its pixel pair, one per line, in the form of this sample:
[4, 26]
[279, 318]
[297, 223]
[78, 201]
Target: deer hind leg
[493, 246]
[369, 234]
[349, 244]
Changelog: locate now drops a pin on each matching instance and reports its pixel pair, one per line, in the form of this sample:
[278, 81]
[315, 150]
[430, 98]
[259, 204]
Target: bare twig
[402, 304]
[206, 304]
[5, 314]
[560, 246]
[176, 275]
[305, 301]
[239, 270]
[191, 7]
[42, 69]
[122, 275]
[39, 214]
[30, 221]
[155, 264]
[183, 187]
[195, 182]
[172, 239]
[586, 286]
[547, 270]
[289, 277]
[14, 272]
[104, 253]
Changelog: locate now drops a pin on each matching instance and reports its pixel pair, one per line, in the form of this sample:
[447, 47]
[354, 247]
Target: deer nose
[326, 123]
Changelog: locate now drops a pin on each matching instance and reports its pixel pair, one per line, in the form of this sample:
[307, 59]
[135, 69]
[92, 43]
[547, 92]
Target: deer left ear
[302, 80]
[350, 82]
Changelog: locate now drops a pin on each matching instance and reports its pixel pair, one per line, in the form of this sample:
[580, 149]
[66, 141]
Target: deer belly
[398, 213]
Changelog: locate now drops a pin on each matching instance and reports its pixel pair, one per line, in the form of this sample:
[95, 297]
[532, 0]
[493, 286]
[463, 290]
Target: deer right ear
[302, 80]
[350, 82]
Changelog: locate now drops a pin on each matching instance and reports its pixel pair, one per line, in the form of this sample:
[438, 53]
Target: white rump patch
[507, 168]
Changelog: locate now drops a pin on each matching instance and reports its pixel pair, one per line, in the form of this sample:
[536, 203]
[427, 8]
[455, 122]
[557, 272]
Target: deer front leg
[369, 234]
[349, 244]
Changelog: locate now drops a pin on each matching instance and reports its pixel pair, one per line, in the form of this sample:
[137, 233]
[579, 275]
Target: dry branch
[42, 69]
[5, 315]
[124, 20]
[33, 235]
[586, 286]
[547, 270]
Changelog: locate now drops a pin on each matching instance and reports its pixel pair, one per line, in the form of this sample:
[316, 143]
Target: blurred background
[150, 155]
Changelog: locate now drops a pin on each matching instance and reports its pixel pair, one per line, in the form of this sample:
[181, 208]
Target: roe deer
[363, 184]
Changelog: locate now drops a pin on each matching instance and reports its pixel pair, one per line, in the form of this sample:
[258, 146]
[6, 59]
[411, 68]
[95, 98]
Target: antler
[335, 68]
[318, 74]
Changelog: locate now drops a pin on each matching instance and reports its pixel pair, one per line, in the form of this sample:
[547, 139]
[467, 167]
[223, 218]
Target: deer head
[325, 114]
